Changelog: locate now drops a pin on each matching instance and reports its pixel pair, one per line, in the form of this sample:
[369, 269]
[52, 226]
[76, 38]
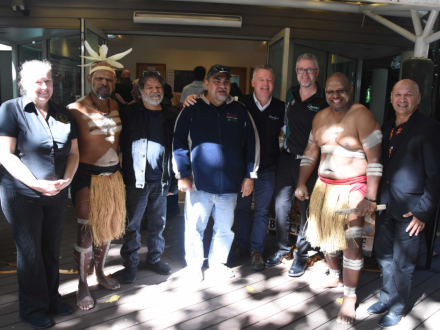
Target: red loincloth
[359, 183]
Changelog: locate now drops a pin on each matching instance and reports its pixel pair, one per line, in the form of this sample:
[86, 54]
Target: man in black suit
[411, 191]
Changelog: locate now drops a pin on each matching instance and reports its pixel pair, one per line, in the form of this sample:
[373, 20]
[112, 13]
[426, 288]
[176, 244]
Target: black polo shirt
[43, 145]
[299, 118]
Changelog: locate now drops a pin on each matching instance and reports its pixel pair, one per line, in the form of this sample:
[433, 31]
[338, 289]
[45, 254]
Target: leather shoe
[298, 268]
[257, 262]
[42, 323]
[274, 259]
[62, 309]
[389, 320]
[129, 275]
[377, 308]
[159, 267]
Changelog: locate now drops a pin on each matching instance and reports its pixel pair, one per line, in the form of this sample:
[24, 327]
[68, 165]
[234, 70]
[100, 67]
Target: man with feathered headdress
[98, 191]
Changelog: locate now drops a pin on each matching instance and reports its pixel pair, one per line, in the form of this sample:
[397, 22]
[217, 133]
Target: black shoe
[389, 320]
[159, 267]
[274, 259]
[129, 275]
[62, 309]
[257, 262]
[42, 323]
[298, 268]
[377, 308]
[237, 252]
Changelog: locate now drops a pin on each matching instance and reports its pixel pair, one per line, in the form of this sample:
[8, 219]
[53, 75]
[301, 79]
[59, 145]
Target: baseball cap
[217, 69]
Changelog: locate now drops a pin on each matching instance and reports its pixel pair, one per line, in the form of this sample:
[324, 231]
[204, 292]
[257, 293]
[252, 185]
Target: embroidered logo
[313, 108]
[232, 117]
[62, 118]
[273, 117]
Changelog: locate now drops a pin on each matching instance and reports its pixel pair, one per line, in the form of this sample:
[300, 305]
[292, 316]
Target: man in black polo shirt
[146, 145]
[268, 115]
[303, 102]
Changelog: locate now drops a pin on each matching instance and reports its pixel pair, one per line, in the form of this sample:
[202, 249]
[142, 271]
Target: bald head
[125, 74]
[338, 91]
[405, 97]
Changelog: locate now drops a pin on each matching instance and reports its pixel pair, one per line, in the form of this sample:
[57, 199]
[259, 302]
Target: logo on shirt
[232, 117]
[273, 117]
[62, 118]
[313, 108]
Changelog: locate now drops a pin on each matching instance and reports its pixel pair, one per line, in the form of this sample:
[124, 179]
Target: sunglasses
[219, 68]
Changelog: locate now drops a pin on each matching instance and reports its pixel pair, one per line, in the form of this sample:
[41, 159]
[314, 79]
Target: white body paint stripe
[353, 264]
[349, 291]
[354, 232]
[335, 273]
[372, 140]
[341, 151]
[111, 131]
[94, 115]
[103, 122]
[374, 173]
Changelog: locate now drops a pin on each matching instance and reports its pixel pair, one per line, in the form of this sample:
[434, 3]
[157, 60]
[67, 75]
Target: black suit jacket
[411, 176]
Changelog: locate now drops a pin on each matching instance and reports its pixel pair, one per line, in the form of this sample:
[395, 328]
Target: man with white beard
[146, 145]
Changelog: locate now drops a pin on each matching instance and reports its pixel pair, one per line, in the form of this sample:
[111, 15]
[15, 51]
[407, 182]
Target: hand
[184, 184]
[301, 192]
[190, 100]
[247, 186]
[48, 188]
[416, 226]
[366, 208]
[64, 183]
[169, 194]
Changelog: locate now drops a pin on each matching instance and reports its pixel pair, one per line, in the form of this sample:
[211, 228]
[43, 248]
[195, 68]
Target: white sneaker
[221, 272]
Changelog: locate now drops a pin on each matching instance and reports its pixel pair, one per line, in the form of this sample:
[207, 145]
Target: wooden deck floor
[274, 301]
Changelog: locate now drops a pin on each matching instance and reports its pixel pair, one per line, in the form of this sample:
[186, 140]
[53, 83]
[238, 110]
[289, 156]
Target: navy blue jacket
[216, 150]
[411, 176]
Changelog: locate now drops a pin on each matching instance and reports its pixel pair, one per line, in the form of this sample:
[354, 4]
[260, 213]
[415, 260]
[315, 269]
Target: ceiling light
[111, 36]
[186, 19]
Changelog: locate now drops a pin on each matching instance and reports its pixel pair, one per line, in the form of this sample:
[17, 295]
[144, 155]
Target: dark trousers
[152, 198]
[37, 226]
[263, 187]
[396, 254]
[285, 186]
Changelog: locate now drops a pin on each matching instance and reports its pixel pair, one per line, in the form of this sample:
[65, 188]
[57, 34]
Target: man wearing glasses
[303, 102]
[216, 156]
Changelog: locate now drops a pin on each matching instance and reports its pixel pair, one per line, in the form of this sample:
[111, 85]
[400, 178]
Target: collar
[319, 93]
[25, 100]
[203, 97]
[261, 108]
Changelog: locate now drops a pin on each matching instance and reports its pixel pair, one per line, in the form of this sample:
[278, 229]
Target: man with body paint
[411, 148]
[349, 139]
[98, 192]
[303, 103]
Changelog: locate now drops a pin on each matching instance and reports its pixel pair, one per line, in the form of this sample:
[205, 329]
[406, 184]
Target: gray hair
[265, 67]
[29, 69]
[308, 56]
[147, 75]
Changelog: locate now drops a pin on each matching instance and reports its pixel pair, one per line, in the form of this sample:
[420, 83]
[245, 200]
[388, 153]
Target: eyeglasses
[308, 71]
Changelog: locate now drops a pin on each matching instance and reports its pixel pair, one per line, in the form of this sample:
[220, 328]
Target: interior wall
[187, 53]
[6, 75]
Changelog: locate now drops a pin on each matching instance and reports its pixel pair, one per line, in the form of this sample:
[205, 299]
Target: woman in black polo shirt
[39, 154]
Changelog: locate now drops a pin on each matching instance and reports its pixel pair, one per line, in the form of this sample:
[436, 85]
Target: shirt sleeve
[8, 120]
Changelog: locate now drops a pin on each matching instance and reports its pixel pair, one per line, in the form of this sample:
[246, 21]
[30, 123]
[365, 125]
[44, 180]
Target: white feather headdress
[102, 57]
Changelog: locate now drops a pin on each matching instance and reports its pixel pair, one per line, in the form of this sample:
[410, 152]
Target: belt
[295, 156]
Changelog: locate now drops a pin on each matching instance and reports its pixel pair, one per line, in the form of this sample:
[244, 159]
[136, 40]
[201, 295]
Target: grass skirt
[325, 229]
[107, 213]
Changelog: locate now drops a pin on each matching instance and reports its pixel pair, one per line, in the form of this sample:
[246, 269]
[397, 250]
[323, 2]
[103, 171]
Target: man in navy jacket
[216, 155]
[411, 191]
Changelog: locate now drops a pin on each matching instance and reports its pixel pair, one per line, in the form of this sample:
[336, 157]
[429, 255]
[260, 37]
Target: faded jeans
[198, 207]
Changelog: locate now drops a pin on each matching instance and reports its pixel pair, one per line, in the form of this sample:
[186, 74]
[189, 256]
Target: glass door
[95, 37]
[278, 59]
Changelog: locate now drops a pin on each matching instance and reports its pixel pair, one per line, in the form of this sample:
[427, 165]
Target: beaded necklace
[105, 114]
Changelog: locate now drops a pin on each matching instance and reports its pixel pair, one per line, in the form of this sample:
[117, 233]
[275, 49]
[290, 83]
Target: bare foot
[83, 298]
[327, 282]
[347, 314]
[107, 283]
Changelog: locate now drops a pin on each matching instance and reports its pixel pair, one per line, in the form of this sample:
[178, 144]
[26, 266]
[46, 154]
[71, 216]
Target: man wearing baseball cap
[216, 156]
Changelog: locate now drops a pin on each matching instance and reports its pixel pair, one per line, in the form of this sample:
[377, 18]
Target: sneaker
[257, 262]
[221, 272]
[129, 275]
[237, 252]
[159, 267]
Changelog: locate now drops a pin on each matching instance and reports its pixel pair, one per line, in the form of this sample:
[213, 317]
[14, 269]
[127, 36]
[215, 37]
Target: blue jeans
[396, 254]
[152, 198]
[264, 187]
[198, 207]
